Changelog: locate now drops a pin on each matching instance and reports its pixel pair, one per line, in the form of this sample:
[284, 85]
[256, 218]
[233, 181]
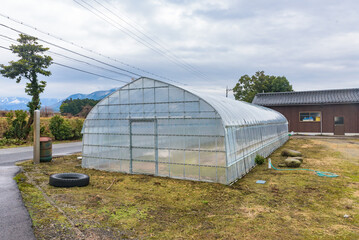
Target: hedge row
[57, 127]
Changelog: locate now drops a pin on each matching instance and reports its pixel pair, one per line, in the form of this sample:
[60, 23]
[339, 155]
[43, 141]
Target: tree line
[76, 106]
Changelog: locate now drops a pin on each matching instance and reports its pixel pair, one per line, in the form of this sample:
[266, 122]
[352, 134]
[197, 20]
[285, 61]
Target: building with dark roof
[327, 112]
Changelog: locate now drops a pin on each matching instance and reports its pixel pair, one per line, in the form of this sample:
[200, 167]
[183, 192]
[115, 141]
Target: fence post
[36, 158]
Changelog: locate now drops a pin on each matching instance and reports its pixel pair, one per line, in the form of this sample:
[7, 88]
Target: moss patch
[291, 205]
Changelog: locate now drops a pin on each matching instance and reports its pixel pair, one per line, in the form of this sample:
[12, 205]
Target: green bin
[45, 149]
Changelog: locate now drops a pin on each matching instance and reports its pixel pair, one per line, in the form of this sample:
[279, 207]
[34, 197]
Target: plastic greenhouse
[152, 127]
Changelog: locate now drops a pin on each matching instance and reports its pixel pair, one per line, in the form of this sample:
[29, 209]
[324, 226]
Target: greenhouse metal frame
[152, 127]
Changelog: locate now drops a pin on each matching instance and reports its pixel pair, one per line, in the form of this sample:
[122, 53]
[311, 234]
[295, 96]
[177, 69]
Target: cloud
[312, 43]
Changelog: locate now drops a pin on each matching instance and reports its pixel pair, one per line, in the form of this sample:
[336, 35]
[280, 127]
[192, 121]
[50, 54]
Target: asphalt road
[9, 156]
[15, 222]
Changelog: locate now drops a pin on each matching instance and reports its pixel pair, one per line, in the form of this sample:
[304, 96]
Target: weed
[259, 160]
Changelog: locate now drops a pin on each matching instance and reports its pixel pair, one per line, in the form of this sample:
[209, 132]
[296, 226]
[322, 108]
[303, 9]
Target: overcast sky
[315, 44]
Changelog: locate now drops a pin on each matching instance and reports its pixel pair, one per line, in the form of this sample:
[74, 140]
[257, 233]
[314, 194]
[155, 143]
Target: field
[290, 205]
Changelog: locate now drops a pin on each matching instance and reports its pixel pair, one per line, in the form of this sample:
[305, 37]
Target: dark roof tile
[336, 96]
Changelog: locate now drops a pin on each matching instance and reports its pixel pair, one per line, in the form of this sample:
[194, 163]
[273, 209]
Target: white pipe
[269, 163]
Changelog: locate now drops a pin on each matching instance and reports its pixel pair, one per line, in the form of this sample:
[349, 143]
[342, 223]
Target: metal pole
[321, 123]
[36, 158]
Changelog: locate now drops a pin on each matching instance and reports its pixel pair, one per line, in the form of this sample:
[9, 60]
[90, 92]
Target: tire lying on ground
[69, 180]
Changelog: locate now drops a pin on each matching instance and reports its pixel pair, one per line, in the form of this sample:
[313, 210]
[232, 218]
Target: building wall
[350, 112]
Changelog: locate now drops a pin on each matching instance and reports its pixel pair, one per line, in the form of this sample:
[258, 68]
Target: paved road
[9, 156]
[15, 222]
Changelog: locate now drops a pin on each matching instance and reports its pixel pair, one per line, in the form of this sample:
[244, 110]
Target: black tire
[69, 180]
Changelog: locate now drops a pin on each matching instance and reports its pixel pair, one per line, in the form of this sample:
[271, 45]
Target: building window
[309, 116]
[338, 120]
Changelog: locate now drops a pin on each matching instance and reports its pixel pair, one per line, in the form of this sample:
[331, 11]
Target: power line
[95, 74]
[68, 50]
[138, 39]
[73, 59]
[5, 48]
[86, 49]
[177, 60]
[135, 36]
[145, 34]
[7, 38]
[77, 60]
[77, 69]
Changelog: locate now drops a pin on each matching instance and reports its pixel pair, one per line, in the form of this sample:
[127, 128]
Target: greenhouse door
[143, 144]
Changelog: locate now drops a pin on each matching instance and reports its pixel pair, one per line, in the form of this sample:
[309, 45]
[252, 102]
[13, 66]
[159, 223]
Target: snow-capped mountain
[13, 103]
[19, 103]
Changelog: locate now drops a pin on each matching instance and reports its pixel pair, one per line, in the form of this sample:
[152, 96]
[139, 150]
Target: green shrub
[259, 160]
[45, 129]
[76, 126]
[17, 125]
[9, 142]
[60, 128]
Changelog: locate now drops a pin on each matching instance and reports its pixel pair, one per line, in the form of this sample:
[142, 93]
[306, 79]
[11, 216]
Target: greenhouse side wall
[149, 127]
[244, 143]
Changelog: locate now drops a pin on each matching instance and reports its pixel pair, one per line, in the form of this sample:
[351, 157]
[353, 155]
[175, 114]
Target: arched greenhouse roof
[232, 112]
[239, 113]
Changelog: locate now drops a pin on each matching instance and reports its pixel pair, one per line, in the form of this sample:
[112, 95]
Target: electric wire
[92, 65]
[135, 36]
[5, 48]
[84, 71]
[68, 50]
[73, 59]
[174, 59]
[143, 32]
[88, 50]
[77, 69]
[109, 22]
[6, 38]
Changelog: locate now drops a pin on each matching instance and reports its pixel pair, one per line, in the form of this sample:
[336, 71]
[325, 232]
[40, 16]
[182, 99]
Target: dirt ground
[290, 205]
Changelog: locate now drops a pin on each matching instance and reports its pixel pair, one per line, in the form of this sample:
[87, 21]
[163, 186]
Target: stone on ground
[299, 158]
[292, 162]
[291, 153]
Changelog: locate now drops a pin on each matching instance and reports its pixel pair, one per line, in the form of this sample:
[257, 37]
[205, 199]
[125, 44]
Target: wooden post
[36, 158]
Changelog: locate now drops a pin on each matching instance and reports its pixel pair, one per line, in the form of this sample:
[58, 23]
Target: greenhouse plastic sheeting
[152, 127]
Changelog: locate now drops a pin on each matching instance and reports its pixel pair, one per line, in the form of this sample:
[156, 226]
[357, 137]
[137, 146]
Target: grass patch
[291, 205]
[47, 221]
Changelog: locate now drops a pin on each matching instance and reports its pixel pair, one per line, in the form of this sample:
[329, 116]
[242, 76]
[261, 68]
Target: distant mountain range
[19, 103]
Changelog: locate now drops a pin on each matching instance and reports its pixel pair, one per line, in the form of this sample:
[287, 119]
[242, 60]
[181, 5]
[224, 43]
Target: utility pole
[36, 158]
[228, 90]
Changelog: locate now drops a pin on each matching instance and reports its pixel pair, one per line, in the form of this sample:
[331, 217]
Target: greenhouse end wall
[151, 127]
[244, 143]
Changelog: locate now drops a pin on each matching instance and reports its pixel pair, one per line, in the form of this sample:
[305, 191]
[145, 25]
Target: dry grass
[291, 205]
[3, 126]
